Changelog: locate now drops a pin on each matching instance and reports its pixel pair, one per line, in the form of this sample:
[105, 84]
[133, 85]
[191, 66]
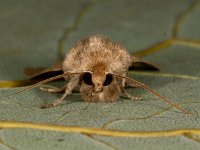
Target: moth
[98, 67]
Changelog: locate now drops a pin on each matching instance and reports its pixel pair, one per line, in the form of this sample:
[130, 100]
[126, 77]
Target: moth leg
[53, 89]
[132, 85]
[69, 87]
[58, 101]
[136, 98]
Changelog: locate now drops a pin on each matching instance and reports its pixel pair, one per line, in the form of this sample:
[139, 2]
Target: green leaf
[35, 34]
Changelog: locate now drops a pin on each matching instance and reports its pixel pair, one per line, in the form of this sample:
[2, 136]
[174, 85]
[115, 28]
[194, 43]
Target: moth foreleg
[123, 84]
[136, 98]
[69, 87]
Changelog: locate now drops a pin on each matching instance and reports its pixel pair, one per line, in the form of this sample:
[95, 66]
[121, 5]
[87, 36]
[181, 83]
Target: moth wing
[139, 64]
[44, 73]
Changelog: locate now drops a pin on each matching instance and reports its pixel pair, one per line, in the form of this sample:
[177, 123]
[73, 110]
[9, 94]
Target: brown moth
[98, 67]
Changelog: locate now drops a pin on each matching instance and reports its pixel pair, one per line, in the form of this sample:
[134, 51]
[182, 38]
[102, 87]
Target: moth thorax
[98, 76]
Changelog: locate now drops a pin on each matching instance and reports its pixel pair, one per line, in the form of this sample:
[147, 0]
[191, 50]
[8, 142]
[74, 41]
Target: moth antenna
[44, 81]
[152, 91]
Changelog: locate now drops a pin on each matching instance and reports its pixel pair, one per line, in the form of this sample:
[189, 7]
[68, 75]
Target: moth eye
[108, 80]
[87, 78]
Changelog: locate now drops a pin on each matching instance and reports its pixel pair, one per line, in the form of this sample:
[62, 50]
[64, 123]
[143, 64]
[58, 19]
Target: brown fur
[98, 55]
